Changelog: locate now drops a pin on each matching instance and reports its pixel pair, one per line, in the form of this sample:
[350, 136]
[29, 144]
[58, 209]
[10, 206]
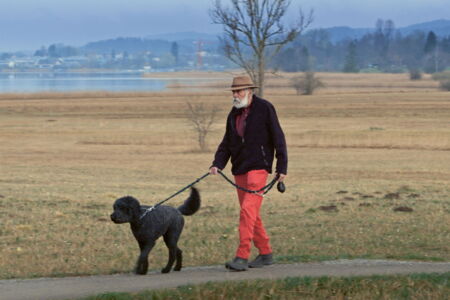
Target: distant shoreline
[32, 71]
[111, 81]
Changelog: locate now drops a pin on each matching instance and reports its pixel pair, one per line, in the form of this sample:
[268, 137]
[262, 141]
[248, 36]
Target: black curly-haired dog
[147, 226]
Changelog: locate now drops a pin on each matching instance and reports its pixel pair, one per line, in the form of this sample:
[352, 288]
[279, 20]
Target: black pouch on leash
[281, 187]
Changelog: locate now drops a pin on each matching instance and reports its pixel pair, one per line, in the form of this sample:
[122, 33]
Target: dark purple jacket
[263, 137]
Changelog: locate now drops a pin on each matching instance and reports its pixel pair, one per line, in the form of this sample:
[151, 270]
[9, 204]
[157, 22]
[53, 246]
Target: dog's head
[125, 210]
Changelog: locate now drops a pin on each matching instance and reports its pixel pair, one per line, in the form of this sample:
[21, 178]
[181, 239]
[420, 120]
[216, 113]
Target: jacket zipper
[245, 127]
[264, 155]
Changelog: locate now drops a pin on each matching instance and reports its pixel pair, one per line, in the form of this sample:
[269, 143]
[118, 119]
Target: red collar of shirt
[240, 120]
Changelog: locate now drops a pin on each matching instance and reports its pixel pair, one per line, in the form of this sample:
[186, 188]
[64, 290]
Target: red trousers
[250, 225]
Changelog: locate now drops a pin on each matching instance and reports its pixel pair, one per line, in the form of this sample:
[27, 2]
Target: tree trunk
[261, 73]
[436, 63]
[202, 141]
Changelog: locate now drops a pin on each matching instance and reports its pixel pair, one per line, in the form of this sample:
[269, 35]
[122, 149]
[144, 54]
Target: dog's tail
[192, 204]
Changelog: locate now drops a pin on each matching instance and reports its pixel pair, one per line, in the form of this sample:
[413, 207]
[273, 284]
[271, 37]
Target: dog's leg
[179, 263]
[142, 263]
[171, 241]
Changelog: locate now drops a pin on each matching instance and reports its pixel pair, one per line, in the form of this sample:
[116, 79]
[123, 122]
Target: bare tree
[202, 119]
[306, 84]
[254, 33]
[415, 74]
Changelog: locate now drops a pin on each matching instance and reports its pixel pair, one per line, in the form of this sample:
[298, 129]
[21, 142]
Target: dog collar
[147, 211]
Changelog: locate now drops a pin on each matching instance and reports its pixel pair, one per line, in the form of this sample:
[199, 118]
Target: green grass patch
[312, 258]
[317, 258]
[416, 286]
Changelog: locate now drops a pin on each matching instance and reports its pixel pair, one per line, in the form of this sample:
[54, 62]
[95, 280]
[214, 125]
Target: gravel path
[77, 287]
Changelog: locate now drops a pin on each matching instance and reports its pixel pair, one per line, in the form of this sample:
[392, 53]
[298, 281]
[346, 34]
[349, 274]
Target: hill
[440, 27]
[188, 41]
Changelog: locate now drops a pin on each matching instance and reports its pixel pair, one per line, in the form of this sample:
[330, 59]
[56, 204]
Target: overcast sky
[29, 24]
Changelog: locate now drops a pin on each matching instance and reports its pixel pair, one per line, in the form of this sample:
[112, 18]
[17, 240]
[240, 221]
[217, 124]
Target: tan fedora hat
[242, 82]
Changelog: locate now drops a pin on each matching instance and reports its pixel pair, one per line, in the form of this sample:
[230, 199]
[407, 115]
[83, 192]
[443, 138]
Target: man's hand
[213, 170]
[281, 177]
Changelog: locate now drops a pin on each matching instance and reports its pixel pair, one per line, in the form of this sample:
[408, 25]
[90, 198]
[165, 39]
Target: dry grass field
[358, 149]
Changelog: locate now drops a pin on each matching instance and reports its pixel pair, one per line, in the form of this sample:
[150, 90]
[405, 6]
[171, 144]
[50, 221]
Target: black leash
[267, 188]
[182, 190]
[167, 199]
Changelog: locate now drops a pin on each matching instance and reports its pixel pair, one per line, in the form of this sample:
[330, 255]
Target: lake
[28, 82]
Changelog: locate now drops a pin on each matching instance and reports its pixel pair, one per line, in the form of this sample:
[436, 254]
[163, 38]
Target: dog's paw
[141, 270]
[165, 270]
[178, 266]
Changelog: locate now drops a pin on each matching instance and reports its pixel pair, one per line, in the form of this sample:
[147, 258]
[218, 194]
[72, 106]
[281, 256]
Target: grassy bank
[355, 155]
[430, 286]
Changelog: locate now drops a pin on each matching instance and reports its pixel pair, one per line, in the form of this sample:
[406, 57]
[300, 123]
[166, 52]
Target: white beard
[238, 103]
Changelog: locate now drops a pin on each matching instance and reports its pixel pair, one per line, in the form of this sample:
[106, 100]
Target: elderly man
[253, 135]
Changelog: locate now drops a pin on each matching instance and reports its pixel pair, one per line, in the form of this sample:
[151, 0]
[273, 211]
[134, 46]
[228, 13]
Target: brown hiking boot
[237, 264]
[261, 261]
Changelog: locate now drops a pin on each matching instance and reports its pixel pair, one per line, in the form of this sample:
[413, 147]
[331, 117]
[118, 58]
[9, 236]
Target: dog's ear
[135, 206]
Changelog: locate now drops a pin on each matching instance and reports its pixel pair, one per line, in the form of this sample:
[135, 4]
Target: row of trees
[136, 53]
[57, 51]
[384, 50]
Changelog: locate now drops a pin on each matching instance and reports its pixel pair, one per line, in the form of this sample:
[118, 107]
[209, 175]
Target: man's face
[241, 98]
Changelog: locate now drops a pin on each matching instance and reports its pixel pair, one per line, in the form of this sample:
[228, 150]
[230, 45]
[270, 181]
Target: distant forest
[380, 49]
[383, 50]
